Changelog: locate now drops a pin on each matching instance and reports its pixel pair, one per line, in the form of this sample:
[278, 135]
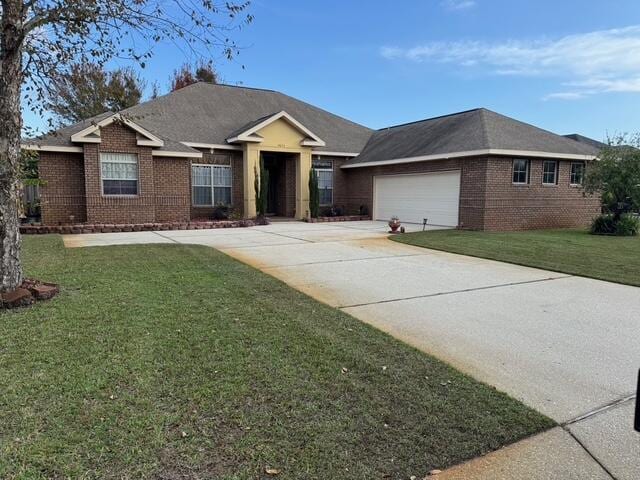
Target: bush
[332, 211]
[603, 225]
[221, 212]
[627, 225]
[314, 194]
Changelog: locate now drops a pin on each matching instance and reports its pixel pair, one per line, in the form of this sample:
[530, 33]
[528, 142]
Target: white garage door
[435, 196]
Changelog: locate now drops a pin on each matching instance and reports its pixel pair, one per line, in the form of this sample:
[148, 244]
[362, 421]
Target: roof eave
[474, 153]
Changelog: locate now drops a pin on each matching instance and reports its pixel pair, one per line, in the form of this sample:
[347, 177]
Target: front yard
[175, 361]
[615, 259]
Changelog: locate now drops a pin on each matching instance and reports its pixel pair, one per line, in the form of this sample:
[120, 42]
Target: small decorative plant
[314, 194]
[261, 186]
[394, 224]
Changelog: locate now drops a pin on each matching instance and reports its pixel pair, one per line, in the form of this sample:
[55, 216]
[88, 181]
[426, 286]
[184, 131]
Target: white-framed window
[324, 169]
[211, 185]
[577, 173]
[119, 173]
[550, 172]
[521, 168]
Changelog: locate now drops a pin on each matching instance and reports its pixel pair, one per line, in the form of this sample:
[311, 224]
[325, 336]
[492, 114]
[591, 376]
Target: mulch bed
[27, 293]
[134, 227]
[343, 218]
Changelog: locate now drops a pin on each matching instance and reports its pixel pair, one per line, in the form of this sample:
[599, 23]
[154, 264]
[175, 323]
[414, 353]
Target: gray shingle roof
[208, 113]
[478, 129]
[589, 141]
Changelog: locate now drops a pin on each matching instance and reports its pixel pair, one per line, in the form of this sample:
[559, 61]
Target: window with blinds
[211, 185]
[119, 173]
[324, 170]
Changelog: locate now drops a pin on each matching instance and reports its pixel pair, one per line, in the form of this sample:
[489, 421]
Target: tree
[187, 75]
[314, 194]
[616, 176]
[42, 39]
[87, 90]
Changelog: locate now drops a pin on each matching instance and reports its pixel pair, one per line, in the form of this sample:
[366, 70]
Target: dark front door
[273, 165]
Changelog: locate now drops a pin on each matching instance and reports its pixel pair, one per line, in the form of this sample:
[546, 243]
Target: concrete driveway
[567, 346]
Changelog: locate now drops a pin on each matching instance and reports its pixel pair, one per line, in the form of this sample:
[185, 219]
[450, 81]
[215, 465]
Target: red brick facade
[220, 157]
[73, 184]
[488, 198]
[62, 196]
[101, 208]
[532, 206]
[171, 179]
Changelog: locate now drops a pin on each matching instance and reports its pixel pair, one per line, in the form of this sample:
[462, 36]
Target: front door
[273, 165]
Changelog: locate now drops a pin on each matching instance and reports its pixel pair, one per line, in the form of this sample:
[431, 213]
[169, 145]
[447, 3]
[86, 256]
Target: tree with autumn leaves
[41, 40]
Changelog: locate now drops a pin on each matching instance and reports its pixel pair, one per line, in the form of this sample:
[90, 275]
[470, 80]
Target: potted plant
[394, 224]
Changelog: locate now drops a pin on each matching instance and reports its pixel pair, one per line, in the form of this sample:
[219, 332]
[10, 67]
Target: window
[577, 173]
[211, 184]
[520, 171]
[550, 172]
[324, 169]
[119, 173]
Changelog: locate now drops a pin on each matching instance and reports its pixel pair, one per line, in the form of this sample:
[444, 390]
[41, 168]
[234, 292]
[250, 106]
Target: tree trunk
[11, 42]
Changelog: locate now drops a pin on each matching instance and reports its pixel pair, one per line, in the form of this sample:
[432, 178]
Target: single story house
[176, 157]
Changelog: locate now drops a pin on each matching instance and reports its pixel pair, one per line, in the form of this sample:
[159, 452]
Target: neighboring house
[174, 158]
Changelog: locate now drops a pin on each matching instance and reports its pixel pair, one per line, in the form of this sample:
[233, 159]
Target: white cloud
[594, 62]
[458, 4]
[565, 96]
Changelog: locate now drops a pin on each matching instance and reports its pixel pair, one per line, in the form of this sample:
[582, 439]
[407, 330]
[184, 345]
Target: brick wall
[171, 178]
[522, 207]
[488, 198]
[222, 157]
[138, 208]
[63, 194]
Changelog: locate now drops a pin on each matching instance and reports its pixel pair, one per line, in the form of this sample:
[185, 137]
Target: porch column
[250, 163]
[303, 165]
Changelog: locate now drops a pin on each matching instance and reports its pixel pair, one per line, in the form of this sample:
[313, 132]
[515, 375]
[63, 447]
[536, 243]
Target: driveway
[567, 346]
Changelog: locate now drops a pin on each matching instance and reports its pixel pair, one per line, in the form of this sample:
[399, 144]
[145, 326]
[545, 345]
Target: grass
[615, 259]
[174, 361]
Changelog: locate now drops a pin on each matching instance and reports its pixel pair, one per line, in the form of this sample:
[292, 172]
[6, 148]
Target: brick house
[175, 158]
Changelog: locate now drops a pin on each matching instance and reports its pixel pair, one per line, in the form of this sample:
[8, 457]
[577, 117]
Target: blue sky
[567, 66]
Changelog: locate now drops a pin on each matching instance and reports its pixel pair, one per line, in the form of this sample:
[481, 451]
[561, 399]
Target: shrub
[626, 225]
[261, 187]
[314, 194]
[221, 212]
[332, 211]
[603, 225]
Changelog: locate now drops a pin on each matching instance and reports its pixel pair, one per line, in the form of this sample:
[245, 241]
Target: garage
[413, 197]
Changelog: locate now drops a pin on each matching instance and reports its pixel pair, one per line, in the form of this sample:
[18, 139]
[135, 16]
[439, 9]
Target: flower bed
[343, 218]
[133, 227]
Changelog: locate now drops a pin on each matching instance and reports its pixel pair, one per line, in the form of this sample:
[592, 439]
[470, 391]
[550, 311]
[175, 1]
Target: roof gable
[91, 134]
[250, 133]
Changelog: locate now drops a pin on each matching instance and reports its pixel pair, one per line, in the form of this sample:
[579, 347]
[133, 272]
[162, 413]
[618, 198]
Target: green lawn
[173, 361]
[616, 259]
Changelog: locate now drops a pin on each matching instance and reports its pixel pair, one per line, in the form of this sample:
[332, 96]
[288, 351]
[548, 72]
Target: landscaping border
[133, 227]
[343, 218]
